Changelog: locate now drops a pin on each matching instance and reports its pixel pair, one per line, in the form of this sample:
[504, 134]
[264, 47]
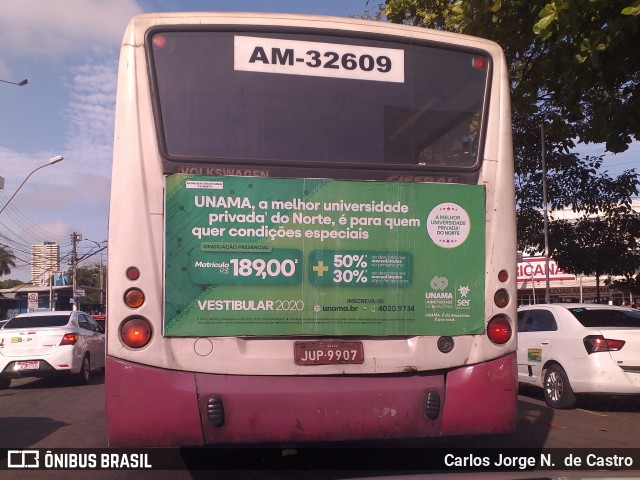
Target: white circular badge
[448, 225]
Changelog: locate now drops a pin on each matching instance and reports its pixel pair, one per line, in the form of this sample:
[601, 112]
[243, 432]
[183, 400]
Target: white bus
[311, 233]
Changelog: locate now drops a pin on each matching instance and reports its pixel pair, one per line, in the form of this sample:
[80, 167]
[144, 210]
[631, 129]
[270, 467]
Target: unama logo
[437, 298]
[439, 283]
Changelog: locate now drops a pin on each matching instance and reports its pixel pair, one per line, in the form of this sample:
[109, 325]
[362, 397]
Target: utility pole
[546, 214]
[100, 249]
[75, 238]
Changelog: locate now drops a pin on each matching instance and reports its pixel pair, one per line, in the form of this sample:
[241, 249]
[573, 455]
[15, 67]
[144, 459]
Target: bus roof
[147, 20]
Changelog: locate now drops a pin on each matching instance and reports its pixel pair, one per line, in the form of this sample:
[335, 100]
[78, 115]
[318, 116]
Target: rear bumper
[152, 407]
[599, 374]
[47, 367]
[44, 370]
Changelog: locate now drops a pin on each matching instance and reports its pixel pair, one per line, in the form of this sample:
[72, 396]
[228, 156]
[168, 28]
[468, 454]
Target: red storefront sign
[534, 268]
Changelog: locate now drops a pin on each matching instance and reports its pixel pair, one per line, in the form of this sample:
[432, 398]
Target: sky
[68, 50]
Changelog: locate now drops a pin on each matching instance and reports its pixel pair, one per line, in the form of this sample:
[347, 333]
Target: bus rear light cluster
[134, 298]
[135, 332]
[501, 298]
[499, 330]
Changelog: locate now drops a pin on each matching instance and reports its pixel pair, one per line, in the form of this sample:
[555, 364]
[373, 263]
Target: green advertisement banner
[269, 256]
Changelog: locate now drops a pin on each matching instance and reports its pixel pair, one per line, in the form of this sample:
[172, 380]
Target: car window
[537, 321]
[95, 326]
[594, 318]
[83, 322]
[521, 320]
[37, 321]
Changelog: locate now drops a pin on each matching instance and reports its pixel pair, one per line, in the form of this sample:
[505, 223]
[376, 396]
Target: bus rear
[311, 235]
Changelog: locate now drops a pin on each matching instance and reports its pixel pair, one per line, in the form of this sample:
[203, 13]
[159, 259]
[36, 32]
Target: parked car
[51, 343]
[101, 319]
[570, 349]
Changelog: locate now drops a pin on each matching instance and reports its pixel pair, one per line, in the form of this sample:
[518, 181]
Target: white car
[569, 349]
[40, 344]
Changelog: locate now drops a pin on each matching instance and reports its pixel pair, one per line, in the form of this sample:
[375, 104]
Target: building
[563, 287]
[45, 261]
[31, 298]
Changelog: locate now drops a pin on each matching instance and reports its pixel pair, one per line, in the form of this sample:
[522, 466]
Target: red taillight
[69, 339]
[159, 40]
[597, 343]
[135, 332]
[499, 330]
[133, 273]
[480, 63]
[503, 276]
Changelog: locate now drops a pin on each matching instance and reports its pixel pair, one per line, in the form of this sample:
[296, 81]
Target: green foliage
[7, 260]
[574, 68]
[10, 283]
[593, 27]
[375, 13]
[633, 9]
[439, 14]
[89, 276]
[628, 284]
[606, 244]
[572, 62]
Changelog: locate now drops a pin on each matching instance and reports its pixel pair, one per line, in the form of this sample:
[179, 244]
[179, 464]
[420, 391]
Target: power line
[28, 227]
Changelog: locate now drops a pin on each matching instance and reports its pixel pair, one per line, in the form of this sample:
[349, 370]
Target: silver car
[49, 343]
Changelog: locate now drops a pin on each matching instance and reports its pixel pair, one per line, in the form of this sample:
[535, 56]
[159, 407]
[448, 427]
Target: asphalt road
[53, 413]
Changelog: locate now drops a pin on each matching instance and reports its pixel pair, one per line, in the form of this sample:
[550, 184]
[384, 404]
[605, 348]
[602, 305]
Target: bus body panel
[151, 406]
[480, 398]
[142, 183]
[152, 392]
[266, 356]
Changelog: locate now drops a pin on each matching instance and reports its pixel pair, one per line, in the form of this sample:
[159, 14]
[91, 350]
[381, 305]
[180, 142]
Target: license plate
[333, 352]
[35, 365]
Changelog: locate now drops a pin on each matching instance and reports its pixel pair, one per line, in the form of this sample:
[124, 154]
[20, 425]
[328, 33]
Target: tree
[604, 244]
[7, 260]
[573, 62]
[575, 69]
[89, 276]
[10, 283]
[374, 13]
[629, 285]
[604, 220]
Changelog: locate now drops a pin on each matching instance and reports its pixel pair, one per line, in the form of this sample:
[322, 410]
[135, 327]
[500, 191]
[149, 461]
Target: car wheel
[84, 375]
[557, 389]
[4, 383]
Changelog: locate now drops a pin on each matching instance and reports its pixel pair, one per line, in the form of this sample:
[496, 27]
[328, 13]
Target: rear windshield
[38, 321]
[602, 318]
[267, 96]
